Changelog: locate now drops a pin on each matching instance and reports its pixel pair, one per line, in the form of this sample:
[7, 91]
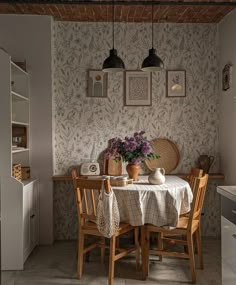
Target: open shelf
[19, 150]
[18, 97]
[20, 110]
[20, 123]
[19, 81]
[17, 69]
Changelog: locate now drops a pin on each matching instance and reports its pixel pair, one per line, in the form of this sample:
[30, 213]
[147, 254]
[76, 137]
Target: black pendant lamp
[152, 62]
[113, 63]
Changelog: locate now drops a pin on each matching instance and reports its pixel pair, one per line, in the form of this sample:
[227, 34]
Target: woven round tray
[169, 155]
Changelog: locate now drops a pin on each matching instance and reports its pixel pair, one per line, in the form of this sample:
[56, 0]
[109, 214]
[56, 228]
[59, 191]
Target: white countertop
[227, 191]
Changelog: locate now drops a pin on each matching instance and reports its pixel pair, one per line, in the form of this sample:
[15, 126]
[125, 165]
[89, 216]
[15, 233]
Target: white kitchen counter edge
[228, 192]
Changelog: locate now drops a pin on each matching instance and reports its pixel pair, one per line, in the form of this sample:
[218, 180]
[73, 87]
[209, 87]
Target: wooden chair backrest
[200, 185]
[75, 176]
[86, 194]
[195, 172]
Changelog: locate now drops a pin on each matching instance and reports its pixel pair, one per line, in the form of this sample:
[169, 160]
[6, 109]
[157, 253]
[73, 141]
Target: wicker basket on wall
[169, 155]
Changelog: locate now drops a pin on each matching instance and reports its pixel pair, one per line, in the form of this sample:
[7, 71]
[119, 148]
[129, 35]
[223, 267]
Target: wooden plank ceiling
[175, 11]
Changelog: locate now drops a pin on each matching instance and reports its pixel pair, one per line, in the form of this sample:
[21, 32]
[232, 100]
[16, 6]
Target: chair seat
[181, 227]
[92, 226]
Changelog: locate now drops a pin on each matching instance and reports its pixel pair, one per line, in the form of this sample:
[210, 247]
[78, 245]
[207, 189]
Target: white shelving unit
[19, 199]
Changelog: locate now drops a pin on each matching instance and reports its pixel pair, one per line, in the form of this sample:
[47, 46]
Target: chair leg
[195, 243]
[137, 251]
[118, 242]
[80, 255]
[185, 246]
[191, 257]
[103, 250]
[160, 244]
[112, 260]
[145, 248]
[199, 247]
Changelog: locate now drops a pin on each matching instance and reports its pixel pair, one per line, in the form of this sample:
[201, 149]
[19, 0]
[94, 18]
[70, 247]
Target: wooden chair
[87, 190]
[187, 227]
[195, 172]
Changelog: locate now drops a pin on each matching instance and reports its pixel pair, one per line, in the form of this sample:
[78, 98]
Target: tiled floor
[51, 265]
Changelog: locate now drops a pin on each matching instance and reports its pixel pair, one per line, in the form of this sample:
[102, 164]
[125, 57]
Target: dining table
[143, 203]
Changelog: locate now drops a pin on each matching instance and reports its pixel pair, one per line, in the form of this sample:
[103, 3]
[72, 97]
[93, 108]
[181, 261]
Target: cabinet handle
[234, 236]
[234, 212]
[32, 216]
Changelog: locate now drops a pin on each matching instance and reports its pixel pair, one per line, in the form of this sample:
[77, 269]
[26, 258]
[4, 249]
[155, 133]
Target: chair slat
[93, 202]
[195, 172]
[85, 200]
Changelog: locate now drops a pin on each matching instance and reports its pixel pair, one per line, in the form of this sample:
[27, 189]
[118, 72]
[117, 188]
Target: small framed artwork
[226, 77]
[97, 84]
[176, 83]
[138, 88]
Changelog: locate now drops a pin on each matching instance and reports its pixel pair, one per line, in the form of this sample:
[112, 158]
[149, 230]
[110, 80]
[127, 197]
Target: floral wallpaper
[83, 125]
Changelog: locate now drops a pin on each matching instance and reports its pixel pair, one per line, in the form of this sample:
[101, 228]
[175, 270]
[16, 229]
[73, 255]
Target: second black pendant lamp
[113, 63]
[152, 62]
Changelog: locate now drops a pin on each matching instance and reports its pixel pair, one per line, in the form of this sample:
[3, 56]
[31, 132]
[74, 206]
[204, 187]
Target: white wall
[227, 129]
[29, 38]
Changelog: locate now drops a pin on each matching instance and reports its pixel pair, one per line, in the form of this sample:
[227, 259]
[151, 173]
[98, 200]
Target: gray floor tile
[56, 265]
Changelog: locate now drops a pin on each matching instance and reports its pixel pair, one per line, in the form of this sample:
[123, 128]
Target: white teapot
[157, 176]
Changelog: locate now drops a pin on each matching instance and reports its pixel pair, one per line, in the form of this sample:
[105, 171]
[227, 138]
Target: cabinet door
[228, 275]
[31, 217]
[34, 217]
[27, 202]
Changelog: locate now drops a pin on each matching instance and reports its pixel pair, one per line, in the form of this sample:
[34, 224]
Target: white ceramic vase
[157, 176]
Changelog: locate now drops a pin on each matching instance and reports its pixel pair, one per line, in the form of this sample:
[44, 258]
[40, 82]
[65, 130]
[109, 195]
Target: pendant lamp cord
[152, 24]
[113, 20]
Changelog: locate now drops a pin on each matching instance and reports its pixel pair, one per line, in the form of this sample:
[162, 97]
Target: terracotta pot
[133, 170]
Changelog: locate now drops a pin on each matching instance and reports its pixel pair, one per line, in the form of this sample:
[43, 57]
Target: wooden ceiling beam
[125, 2]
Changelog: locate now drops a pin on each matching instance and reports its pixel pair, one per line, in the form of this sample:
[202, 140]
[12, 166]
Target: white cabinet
[228, 236]
[228, 252]
[19, 200]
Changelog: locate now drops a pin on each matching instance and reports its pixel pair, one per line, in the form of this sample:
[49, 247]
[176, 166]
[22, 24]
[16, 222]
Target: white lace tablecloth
[141, 203]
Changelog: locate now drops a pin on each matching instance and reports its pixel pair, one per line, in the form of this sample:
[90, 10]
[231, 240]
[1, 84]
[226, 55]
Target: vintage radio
[90, 168]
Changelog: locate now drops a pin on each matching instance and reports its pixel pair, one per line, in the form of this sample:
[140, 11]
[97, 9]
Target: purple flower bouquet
[133, 149]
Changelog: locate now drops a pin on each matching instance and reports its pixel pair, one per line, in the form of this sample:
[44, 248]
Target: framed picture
[176, 83]
[97, 84]
[226, 77]
[138, 88]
